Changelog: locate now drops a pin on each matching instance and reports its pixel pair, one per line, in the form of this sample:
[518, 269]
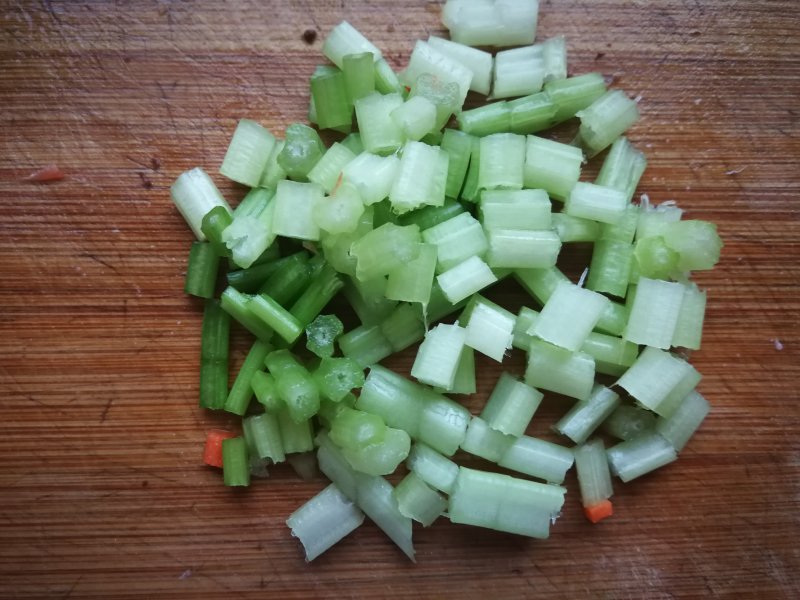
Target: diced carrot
[598, 512]
[45, 174]
[212, 454]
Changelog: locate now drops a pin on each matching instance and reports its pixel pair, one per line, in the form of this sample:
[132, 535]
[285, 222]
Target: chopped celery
[382, 457]
[653, 220]
[558, 370]
[252, 230]
[456, 240]
[331, 101]
[214, 349]
[689, 328]
[526, 317]
[458, 146]
[465, 279]
[296, 435]
[575, 229]
[552, 166]
[324, 285]
[628, 422]
[328, 169]
[515, 209]
[372, 175]
[274, 316]
[610, 269]
[486, 120]
[263, 433]
[518, 249]
[344, 40]
[294, 210]
[248, 153]
[623, 230]
[623, 167]
[538, 458]
[359, 75]
[356, 429]
[489, 327]
[681, 425]
[523, 71]
[425, 59]
[321, 335]
[587, 415]
[241, 391]
[301, 151]
[201, 270]
[471, 192]
[634, 458]
[215, 221]
[502, 161]
[434, 469]
[574, 94]
[421, 178]
[353, 143]
[481, 440]
[654, 258]
[511, 406]
[605, 120]
[340, 212]
[540, 283]
[266, 391]
[235, 461]
[417, 500]
[612, 355]
[477, 61]
[386, 80]
[194, 195]
[289, 279]
[594, 478]
[273, 172]
[235, 303]
[412, 282]
[366, 345]
[296, 387]
[335, 377]
[532, 113]
[416, 117]
[591, 201]
[385, 249]
[464, 381]
[569, 316]
[444, 95]
[491, 22]
[430, 216]
[379, 132]
[403, 327]
[438, 356]
[654, 313]
[696, 242]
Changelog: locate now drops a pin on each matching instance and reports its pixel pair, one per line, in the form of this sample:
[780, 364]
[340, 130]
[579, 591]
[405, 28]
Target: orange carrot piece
[598, 512]
[212, 454]
[45, 174]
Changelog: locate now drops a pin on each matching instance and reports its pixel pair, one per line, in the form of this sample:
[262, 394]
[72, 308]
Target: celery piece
[329, 410]
[494, 117]
[421, 178]
[502, 161]
[289, 279]
[612, 355]
[653, 220]
[263, 434]
[294, 210]
[628, 422]
[195, 195]
[248, 153]
[634, 458]
[328, 169]
[273, 172]
[214, 349]
[235, 303]
[236, 472]
[324, 520]
[518, 249]
[540, 283]
[380, 458]
[594, 477]
[465, 279]
[425, 59]
[433, 138]
[340, 212]
[368, 299]
[359, 75]
[412, 282]
[605, 120]
[504, 503]
[416, 117]
[444, 94]
[654, 313]
[526, 317]
[681, 425]
[425, 415]
[480, 63]
[366, 345]
[417, 500]
[587, 415]
[301, 151]
[355, 429]
[458, 146]
[538, 458]
[515, 209]
[266, 391]
[439, 306]
[331, 101]
[241, 391]
[654, 259]
[575, 229]
[569, 316]
[523, 71]
[464, 381]
[335, 377]
[321, 335]
[659, 380]
[456, 240]
[430, 216]
[471, 192]
[610, 268]
[250, 280]
[431, 467]
[344, 40]
[379, 133]
[590, 201]
[384, 249]
[689, 328]
[623, 167]
[296, 386]
[274, 316]
[532, 113]
[551, 166]
[623, 230]
[613, 319]
[438, 356]
[252, 230]
[297, 436]
[485, 442]
[489, 327]
[336, 248]
[511, 406]
[491, 23]
[696, 242]
[558, 370]
[383, 213]
[323, 287]
[386, 80]
[372, 175]
[574, 94]
[201, 270]
[213, 224]
[353, 143]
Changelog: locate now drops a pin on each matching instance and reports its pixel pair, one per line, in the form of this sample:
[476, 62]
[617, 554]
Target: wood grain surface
[102, 494]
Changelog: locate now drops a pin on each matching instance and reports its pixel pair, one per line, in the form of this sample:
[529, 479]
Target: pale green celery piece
[248, 153]
[372, 175]
[504, 503]
[456, 240]
[653, 220]
[421, 178]
[634, 458]
[419, 501]
[386, 80]
[680, 427]
[301, 151]
[458, 146]
[384, 249]
[540, 283]
[380, 458]
[613, 319]
[324, 520]
[465, 279]
[425, 415]
[628, 422]
[442, 93]
[587, 415]
[575, 229]
[518, 249]
[515, 209]
[538, 458]
[332, 105]
[194, 195]
[273, 172]
[526, 317]
[416, 117]
[321, 335]
[471, 192]
[697, 243]
[623, 167]
[438, 306]
[689, 328]
[532, 113]
[612, 355]
[252, 230]
[518, 72]
[551, 166]
[625, 229]
[430, 216]
[340, 212]
[511, 406]
[368, 299]
[353, 143]
[277, 318]
[297, 436]
[235, 303]
[569, 316]
[659, 380]
[296, 387]
[263, 434]
[366, 345]
[431, 467]
[485, 442]
[343, 40]
[426, 59]
[464, 381]
[356, 429]
[558, 370]
[294, 209]
[438, 356]
[336, 377]
[594, 477]
[504, 23]
[412, 282]
[489, 327]
[574, 93]
[654, 259]
[595, 202]
[605, 120]
[266, 391]
[359, 75]
[480, 63]
[502, 161]
[328, 409]
[486, 120]
[379, 133]
[654, 313]
[327, 171]
[610, 269]
[373, 495]
[403, 327]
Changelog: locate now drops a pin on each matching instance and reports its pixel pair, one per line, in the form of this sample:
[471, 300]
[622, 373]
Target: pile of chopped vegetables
[412, 218]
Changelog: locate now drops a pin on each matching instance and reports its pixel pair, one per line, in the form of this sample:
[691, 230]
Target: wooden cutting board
[102, 493]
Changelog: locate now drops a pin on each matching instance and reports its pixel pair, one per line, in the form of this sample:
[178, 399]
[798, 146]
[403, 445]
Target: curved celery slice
[425, 59]
[417, 500]
[569, 316]
[385, 249]
[248, 153]
[372, 175]
[321, 335]
[296, 387]
[587, 415]
[421, 178]
[194, 195]
[380, 458]
[416, 117]
[628, 422]
[502, 161]
[343, 40]
[477, 61]
[605, 120]
[552, 166]
[294, 210]
[681, 425]
[538, 458]
[515, 209]
[456, 240]
[439, 355]
[594, 477]
[379, 133]
[654, 313]
[490, 327]
[336, 377]
[262, 433]
[327, 170]
[558, 370]
[434, 469]
[465, 279]
[511, 406]
[634, 458]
